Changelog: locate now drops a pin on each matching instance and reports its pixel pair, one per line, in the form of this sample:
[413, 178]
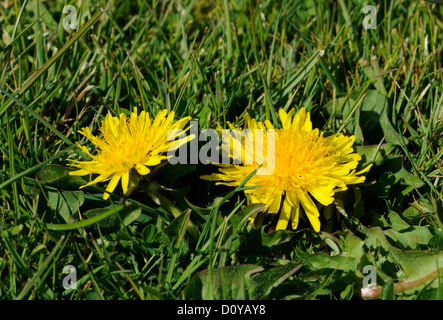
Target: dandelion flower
[307, 166]
[129, 147]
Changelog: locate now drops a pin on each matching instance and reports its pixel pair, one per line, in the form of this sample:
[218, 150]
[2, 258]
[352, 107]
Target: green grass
[216, 60]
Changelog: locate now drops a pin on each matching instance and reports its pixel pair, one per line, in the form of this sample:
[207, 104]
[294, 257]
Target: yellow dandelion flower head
[303, 166]
[129, 147]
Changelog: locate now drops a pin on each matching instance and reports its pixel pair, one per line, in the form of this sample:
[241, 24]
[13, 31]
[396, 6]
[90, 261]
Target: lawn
[368, 73]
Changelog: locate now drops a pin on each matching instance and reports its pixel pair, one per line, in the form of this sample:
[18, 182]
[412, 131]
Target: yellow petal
[180, 124]
[125, 181]
[100, 178]
[295, 214]
[87, 133]
[111, 186]
[324, 195]
[268, 124]
[79, 173]
[275, 203]
[285, 215]
[169, 119]
[85, 150]
[142, 169]
[153, 161]
[295, 211]
[285, 118]
[160, 118]
[307, 126]
[310, 210]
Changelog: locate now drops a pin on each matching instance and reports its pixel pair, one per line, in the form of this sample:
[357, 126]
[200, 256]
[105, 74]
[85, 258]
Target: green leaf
[371, 109]
[114, 223]
[93, 295]
[324, 261]
[394, 164]
[149, 233]
[58, 176]
[436, 242]
[397, 222]
[374, 153]
[239, 282]
[201, 212]
[409, 179]
[374, 119]
[51, 173]
[387, 291]
[385, 183]
[129, 214]
[417, 211]
[370, 117]
[173, 230]
[229, 283]
[410, 238]
[263, 283]
[258, 242]
[65, 203]
[352, 246]
[340, 107]
[95, 218]
[275, 238]
[417, 265]
[240, 219]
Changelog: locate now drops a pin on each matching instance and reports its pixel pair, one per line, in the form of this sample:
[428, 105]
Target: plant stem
[375, 292]
[154, 192]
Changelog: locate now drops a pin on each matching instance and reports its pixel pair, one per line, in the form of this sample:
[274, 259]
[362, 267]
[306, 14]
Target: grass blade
[85, 222]
[42, 268]
[59, 53]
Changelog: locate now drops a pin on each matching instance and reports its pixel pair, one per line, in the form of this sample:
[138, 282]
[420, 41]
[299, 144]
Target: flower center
[300, 157]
